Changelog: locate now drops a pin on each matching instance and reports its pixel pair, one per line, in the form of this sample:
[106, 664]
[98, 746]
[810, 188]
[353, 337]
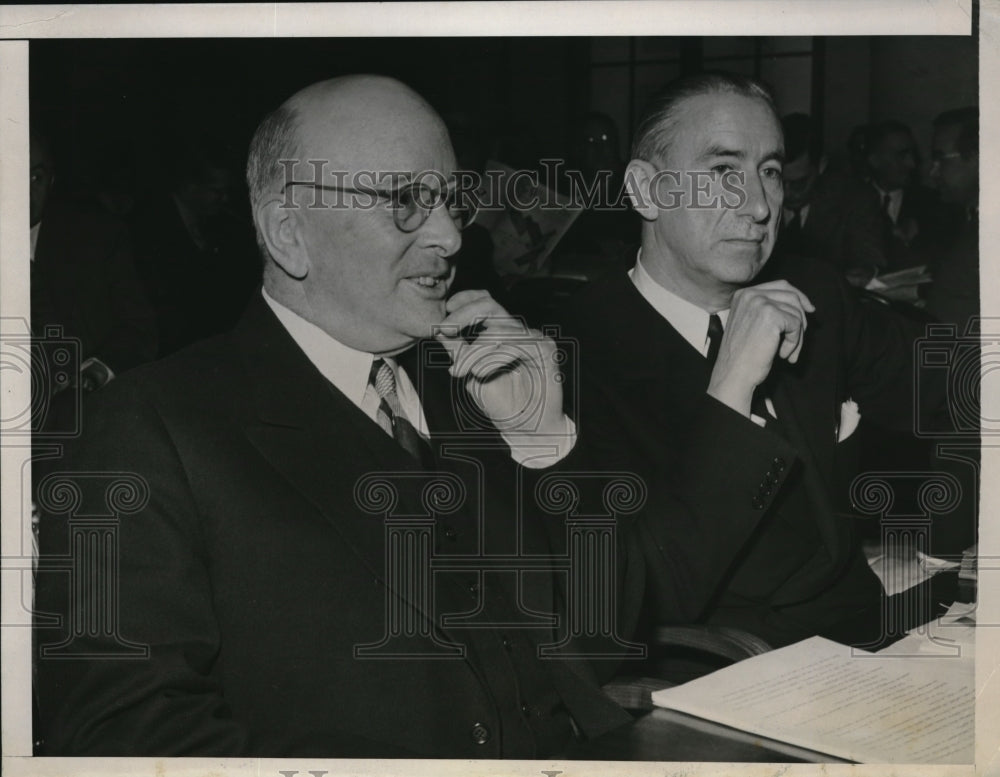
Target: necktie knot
[390, 415]
[714, 337]
[382, 379]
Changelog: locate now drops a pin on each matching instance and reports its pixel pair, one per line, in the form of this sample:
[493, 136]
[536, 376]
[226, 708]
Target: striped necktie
[390, 415]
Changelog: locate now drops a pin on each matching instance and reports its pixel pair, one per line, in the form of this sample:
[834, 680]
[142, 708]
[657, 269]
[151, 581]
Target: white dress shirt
[348, 370]
[690, 321]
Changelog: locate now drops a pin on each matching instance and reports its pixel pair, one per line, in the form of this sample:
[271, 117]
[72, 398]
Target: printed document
[860, 706]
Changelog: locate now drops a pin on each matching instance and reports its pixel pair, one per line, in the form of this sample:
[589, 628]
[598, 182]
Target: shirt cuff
[110, 374]
[538, 451]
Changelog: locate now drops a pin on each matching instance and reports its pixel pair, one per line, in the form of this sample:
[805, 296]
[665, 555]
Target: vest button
[480, 734]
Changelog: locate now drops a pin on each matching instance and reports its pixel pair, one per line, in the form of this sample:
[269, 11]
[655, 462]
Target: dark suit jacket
[953, 295]
[83, 279]
[255, 569]
[934, 223]
[195, 292]
[643, 407]
[844, 226]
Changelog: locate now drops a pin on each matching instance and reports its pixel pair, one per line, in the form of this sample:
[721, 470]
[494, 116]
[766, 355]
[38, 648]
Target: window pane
[727, 47]
[791, 80]
[657, 48]
[786, 43]
[649, 79]
[609, 94]
[743, 67]
[609, 49]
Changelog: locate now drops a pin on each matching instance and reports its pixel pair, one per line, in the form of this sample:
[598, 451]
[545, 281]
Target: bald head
[335, 251]
[367, 123]
[351, 123]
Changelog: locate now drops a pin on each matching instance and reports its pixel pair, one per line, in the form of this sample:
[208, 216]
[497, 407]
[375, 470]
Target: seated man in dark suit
[775, 360]
[953, 296]
[913, 222]
[83, 279]
[255, 590]
[827, 214]
[194, 252]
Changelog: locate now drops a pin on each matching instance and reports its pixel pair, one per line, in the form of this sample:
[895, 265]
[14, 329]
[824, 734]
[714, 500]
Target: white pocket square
[850, 416]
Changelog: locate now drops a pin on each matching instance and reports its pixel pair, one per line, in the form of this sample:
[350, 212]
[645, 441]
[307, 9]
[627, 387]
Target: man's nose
[756, 205]
[441, 232]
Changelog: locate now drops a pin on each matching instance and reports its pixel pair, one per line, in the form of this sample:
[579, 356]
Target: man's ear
[279, 226]
[639, 183]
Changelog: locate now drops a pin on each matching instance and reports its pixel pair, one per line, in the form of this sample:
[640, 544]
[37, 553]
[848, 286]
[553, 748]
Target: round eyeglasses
[412, 202]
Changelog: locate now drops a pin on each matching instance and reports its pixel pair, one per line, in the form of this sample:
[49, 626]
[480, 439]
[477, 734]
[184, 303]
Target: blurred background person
[911, 219]
[953, 295]
[192, 247]
[83, 278]
[826, 214]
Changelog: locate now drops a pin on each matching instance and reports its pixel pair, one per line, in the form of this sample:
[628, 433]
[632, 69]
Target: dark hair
[276, 138]
[877, 134]
[800, 137]
[656, 127]
[967, 121]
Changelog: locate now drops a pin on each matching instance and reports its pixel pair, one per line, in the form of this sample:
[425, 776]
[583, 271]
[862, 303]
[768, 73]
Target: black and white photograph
[398, 388]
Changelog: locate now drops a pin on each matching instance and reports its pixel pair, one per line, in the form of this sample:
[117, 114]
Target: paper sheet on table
[898, 572]
[911, 276]
[860, 706]
[953, 634]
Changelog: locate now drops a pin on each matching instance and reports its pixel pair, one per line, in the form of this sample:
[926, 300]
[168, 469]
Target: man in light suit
[704, 334]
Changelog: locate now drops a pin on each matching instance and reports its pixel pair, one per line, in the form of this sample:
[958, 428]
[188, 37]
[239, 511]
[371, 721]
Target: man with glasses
[261, 599]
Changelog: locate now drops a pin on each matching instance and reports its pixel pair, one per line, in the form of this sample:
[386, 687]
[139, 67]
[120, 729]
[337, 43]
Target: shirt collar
[690, 321]
[894, 196]
[343, 366]
[803, 213]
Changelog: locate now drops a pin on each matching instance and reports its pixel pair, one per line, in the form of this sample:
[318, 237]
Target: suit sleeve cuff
[538, 451]
[730, 458]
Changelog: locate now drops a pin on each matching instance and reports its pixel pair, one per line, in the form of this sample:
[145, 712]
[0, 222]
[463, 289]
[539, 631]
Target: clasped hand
[765, 321]
[511, 370]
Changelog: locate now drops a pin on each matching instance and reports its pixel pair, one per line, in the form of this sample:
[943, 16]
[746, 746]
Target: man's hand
[511, 370]
[764, 321]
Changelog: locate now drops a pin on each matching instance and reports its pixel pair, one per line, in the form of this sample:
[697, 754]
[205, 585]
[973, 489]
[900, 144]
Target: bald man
[250, 606]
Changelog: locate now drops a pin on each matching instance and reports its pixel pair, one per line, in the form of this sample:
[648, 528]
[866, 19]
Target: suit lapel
[316, 438]
[647, 352]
